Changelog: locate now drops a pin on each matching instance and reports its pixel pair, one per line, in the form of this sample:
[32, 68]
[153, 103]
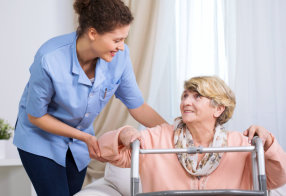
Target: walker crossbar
[204, 192]
[258, 169]
[194, 150]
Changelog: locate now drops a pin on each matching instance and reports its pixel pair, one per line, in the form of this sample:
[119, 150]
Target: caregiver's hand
[264, 135]
[93, 148]
[128, 135]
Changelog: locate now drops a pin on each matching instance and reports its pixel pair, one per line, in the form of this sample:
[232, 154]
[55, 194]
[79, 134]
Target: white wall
[25, 25]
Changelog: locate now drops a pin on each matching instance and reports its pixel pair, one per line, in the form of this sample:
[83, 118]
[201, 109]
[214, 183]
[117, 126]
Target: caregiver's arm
[55, 126]
[147, 116]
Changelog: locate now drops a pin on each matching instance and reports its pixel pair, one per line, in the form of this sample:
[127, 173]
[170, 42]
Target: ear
[92, 33]
[219, 110]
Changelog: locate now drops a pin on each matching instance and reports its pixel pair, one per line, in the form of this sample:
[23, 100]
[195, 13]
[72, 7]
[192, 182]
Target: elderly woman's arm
[275, 157]
[115, 145]
[275, 165]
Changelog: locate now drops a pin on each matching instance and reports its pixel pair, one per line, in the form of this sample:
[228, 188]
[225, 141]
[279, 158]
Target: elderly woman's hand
[128, 135]
[93, 148]
[265, 135]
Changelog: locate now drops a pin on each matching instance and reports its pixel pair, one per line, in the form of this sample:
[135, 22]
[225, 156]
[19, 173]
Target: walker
[258, 169]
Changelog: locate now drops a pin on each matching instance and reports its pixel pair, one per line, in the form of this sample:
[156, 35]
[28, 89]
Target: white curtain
[200, 43]
[189, 42]
[162, 93]
[260, 66]
[243, 42]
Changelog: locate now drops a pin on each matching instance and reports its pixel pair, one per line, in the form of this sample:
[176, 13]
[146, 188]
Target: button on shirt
[58, 86]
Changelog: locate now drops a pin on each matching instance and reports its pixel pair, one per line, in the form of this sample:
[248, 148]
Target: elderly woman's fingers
[136, 136]
[128, 135]
[250, 132]
[262, 133]
[265, 136]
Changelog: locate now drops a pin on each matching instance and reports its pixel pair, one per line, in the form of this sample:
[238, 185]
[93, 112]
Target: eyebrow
[121, 38]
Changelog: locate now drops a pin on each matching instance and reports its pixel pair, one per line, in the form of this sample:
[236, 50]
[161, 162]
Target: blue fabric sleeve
[128, 91]
[40, 89]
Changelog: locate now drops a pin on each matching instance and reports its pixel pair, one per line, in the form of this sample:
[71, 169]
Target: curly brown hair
[103, 15]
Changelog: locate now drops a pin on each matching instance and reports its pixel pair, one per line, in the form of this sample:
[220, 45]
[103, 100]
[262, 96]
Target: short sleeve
[40, 89]
[128, 91]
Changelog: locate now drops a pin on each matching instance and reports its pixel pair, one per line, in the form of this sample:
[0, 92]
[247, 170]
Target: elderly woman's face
[196, 108]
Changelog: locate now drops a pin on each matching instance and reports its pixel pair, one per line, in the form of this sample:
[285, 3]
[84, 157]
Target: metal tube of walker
[193, 150]
[254, 171]
[134, 183]
[261, 163]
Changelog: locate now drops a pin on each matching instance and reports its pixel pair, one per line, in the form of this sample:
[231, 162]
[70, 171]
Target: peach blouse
[162, 172]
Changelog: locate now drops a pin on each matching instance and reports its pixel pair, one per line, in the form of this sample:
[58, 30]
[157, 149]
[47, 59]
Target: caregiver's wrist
[85, 137]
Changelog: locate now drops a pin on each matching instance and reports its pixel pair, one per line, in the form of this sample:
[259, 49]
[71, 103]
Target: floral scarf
[210, 161]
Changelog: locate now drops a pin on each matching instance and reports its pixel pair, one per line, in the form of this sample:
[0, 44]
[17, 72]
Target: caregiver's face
[106, 45]
[196, 108]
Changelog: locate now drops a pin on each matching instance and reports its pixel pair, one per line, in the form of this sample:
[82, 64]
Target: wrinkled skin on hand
[264, 135]
[128, 135]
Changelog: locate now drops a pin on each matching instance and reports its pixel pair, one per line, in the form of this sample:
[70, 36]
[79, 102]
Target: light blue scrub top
[58, 86]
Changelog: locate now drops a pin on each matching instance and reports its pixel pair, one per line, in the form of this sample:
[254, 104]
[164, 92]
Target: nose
[121, 46]
[187, 101]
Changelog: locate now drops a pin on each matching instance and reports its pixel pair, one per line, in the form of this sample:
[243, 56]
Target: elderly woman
[206, 104]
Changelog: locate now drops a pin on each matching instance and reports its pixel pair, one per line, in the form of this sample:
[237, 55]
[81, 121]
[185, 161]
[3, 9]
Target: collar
[100, 69]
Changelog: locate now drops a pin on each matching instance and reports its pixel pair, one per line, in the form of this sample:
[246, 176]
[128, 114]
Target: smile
[113, 53]
[188, 111]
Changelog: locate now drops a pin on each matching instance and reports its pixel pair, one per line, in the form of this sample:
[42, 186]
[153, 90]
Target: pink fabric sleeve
[275, 165]
[117, 155]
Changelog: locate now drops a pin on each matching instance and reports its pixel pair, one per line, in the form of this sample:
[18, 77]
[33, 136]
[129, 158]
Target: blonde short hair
[214, 88]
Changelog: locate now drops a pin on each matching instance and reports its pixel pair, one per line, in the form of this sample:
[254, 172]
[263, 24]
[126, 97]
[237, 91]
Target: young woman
[72, 78]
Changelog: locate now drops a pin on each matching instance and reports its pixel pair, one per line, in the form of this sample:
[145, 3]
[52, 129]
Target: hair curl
[103, 15]
[215, 89]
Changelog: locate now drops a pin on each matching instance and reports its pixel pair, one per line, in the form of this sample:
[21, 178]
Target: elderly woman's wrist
[268, 142]
[122, 135]
[119, 139]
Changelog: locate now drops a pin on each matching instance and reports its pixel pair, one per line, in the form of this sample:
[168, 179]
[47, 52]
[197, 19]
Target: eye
[197, 96]
[184, 96]
[119, 40]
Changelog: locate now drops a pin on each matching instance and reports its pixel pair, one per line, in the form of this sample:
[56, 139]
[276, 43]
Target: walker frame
[258, 169]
